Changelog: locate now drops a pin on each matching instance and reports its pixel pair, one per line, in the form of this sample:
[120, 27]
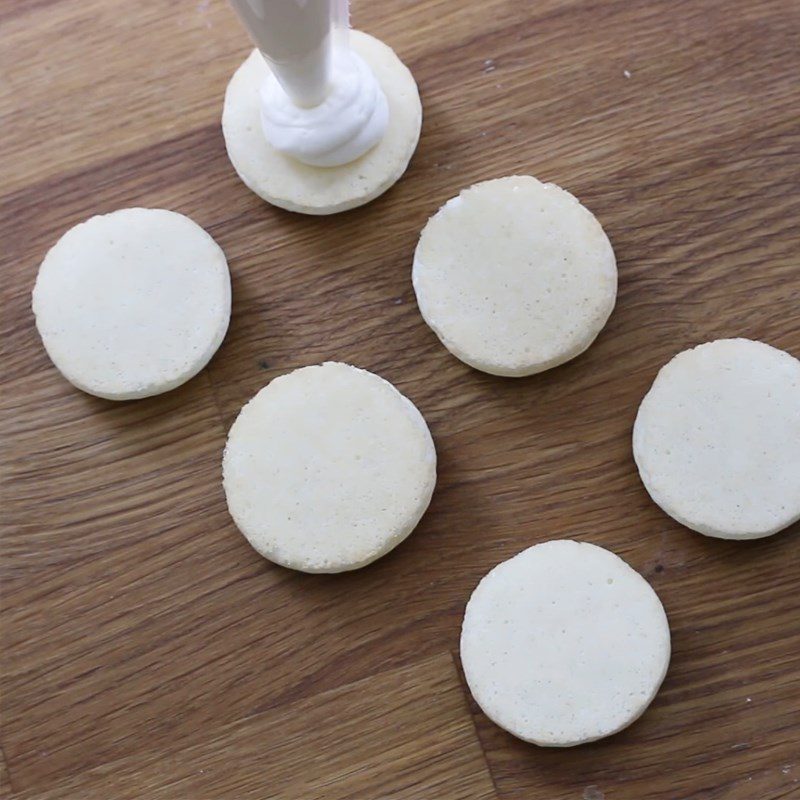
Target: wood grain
[143, 640]
[401, 734]
[5, 785]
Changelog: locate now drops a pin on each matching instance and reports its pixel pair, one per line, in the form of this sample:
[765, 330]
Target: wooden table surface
[148, 652]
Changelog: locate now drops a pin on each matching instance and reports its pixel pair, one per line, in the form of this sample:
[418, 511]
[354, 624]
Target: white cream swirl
[350, 121]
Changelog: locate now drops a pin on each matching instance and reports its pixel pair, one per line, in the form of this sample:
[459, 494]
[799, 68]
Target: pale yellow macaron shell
[717, 439]
[564, 644]
[515, 276]
[328, 468]
[132, 303]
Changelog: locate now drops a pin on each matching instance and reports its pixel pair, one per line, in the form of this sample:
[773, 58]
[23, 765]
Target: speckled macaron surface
[564, 644]
[133, 303]
[328, 468]
[515, 276]
[717, 439]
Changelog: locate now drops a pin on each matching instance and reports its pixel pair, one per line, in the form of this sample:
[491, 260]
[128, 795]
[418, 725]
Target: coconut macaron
[133, 303]
[564, 644]
[328, 468]
[290, 184]
[515, 276]
[717, 439]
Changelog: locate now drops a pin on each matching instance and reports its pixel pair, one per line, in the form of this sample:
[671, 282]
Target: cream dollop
[350, 121]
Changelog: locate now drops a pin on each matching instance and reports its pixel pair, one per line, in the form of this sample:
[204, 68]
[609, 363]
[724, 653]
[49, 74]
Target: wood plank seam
[4, 770]
[145, 162]
[468, 709]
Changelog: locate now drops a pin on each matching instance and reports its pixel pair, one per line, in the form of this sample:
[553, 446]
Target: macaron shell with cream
[294, 186]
